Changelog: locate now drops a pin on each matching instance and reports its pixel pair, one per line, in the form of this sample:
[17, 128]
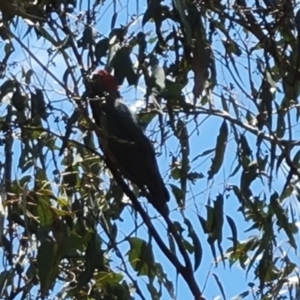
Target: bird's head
[104, 83]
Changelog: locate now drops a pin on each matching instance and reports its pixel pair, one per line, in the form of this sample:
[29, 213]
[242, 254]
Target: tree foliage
[216, 87]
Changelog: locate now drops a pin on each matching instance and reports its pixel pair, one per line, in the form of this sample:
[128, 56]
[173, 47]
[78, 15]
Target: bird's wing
[128, 127]
[137, 157]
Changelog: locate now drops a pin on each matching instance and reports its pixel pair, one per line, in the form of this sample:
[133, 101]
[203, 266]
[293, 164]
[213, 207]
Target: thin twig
[7, 175]
[119, 254]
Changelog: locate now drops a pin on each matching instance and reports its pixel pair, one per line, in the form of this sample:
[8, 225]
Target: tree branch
[184, 271]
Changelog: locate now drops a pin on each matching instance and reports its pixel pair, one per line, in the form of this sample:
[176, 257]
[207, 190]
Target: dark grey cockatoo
[123, 141]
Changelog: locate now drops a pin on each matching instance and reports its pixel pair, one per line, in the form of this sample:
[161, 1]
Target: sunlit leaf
[45, 213]
[140, 256]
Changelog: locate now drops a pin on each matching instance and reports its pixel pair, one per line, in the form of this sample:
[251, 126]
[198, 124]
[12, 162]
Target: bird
[123, 141]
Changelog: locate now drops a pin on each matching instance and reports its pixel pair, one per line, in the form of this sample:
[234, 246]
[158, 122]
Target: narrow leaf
[220, 151]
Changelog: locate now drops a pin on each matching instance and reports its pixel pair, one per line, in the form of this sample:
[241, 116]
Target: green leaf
[245, 146]
[287, 192]
[45, 213]
[220, 151]
[117, 34]
[151, 11]
[48, 259]
[28, 76]
[19, 101]
[41, 108]
[203, 224]
[210, 222]
[224, 103]
[42, 32]
[38, 107]
[152, 40]
[232, 47]
[182, 135]
[172, 243]
[5, 279]
[113, 21]
[194, 176]
[67, 73]
[101, 49]
[141, 257]
[181, 8]
[123, 67]
[260, 249]
[110, 278]
[267, 97]
[8, 48]
[155, 294]
[142, 43]
[115, 192]
[202, 59]
[233, 231]
[204, 153]
[70, 178]
[69, 129]
[92, 258]
[219, 216]
[296, 159]
[79, 237]
[178, 194]
[173, 91]
[196, 242]
[249, 174]
[219, 285]
[282, 219]
[7, 87]
[145, 119]
[281, 126]
[163, 278]
[87, 39]
[241, 295]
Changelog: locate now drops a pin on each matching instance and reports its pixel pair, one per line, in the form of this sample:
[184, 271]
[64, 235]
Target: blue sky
[233, 280]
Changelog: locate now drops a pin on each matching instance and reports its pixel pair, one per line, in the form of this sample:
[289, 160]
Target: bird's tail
[159, 198]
